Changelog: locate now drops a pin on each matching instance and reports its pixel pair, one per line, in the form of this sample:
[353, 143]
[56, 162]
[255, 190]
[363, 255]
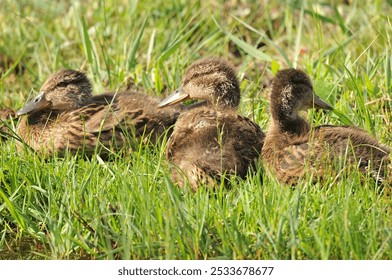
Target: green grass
[127, 208]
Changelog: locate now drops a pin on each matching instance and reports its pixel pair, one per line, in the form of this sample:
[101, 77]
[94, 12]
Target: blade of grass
[176, 44]
[12, 68]
[13, 210]
[89, 48]
[249, 49]
[266, 40]
[319, 16]
[388, 56]
[150, 48]
[342, 117]
[298, 37]
[134, 47]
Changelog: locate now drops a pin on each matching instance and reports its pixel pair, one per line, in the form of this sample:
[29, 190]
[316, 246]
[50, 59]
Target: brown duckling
[292, 149]
[211, 141]
[65, 115]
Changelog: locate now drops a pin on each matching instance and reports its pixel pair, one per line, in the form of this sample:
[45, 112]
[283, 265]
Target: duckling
[212, 140]
[66, 116]
[292, 149]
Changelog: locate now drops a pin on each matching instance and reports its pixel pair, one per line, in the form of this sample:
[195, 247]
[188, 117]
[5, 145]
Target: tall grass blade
[13, 210]
[176, 44]
[89, 48]
[266, 40]
[134, 47]
[12, 68]
[249, 49]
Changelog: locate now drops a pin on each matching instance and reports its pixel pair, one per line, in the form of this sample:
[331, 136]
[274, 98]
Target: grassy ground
[127, 208]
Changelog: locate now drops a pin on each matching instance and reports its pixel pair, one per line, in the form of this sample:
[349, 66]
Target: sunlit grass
[128, 208]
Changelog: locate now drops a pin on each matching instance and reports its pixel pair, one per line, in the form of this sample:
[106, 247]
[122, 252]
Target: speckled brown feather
[207, 144]
[293, 150]
[51, 132]
[91, 123]
[213, 77]
[211, 141]
[149, 122]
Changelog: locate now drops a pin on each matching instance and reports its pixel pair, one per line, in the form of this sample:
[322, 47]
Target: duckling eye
[192, 77]
[62, 84]
[195, 75]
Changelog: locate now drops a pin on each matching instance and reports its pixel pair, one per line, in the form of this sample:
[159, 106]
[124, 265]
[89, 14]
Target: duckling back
[206, 145]
[322, 150]
[358, 148]
[141, 111]
[92, 128]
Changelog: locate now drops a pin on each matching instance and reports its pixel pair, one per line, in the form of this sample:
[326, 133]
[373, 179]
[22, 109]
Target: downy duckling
[293, 150]
[211, 141]
[66, 116]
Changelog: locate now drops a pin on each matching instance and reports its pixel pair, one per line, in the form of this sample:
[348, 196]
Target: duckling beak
[37, 103]
[318, 103]
[174, 98]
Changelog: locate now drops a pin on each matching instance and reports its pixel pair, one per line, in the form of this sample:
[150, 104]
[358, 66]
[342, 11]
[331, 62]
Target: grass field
[127, 208]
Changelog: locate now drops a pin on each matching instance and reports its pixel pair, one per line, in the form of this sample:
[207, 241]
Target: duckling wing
[343, 136]
[315, 150]
[214, 143]
[358, 146]
[298, 159]
[99, 117]
[251, 134]
[297, 156]
[140, 112]
[320, 150]
[190, 133]
[244, 139]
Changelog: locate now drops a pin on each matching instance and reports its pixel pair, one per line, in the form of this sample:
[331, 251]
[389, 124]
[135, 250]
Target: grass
[128, 208]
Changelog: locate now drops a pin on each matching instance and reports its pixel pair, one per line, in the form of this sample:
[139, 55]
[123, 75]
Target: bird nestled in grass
[211, 141]
[293, 150]
[66, 116]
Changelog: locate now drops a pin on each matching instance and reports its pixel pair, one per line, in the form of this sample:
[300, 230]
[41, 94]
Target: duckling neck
[221, 105]
[292, 123]
[41, 117]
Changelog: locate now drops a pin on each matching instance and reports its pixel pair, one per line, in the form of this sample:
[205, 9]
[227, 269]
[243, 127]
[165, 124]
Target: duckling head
[292, 91]
[211, 79]
[64, 90]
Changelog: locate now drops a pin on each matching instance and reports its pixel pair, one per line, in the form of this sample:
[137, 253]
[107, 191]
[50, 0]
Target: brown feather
[76, 120]
[211, 141]
[292, 150]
